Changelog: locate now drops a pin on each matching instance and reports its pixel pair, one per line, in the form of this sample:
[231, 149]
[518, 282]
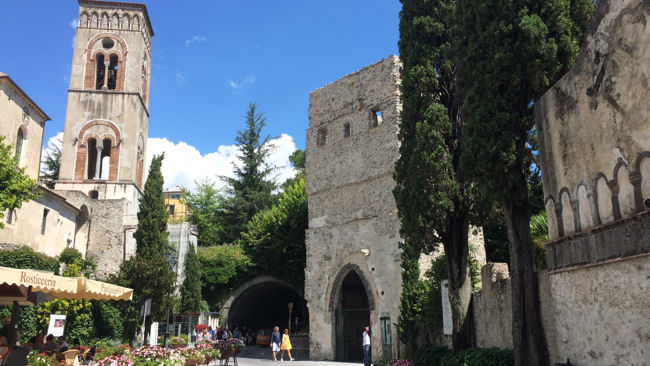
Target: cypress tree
[433, 200]
[191, 288]
[510, 52]
[149, 273]
[151, 236]
[251, 188]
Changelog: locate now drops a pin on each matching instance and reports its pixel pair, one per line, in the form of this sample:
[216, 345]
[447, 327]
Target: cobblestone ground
[253, 356]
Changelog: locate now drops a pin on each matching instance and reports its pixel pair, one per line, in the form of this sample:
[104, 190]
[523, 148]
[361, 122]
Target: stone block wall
[351, 148]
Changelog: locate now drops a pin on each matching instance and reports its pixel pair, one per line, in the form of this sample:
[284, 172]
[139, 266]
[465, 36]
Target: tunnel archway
[264, 303]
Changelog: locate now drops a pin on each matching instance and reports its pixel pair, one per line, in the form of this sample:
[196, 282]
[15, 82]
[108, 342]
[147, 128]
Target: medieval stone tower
[106, 125]
[353, 273]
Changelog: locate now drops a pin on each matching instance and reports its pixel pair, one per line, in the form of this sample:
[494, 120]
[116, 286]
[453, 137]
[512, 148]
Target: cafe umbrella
[27, 287]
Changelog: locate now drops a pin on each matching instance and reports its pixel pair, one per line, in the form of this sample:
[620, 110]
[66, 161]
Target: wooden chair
[70, 356]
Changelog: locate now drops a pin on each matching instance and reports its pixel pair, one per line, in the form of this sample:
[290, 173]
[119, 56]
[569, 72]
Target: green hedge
[430, 355]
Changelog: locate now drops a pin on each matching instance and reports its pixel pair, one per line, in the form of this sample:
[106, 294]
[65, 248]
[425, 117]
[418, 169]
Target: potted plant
[177, 342]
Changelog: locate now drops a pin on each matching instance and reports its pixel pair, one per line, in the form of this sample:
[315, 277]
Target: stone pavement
[253, 356]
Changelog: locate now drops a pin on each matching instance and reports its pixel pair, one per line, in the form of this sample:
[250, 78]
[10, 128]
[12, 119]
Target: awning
[39, 281]
[97, 290]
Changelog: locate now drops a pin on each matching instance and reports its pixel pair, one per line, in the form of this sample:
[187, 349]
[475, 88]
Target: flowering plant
[230, 344]
[205, 344]
[115, 360]
[150, 352]
[125, 348]
[400, 362]
[40, 359]
[178, 340]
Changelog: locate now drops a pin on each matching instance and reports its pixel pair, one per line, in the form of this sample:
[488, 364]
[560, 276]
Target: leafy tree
[509, 53]
[191, 288]
[435, 203]
[275, 237]
[220, 266]
[52, 164]
[206, 212]
[15, 186]
[251, 189]
[297, 159]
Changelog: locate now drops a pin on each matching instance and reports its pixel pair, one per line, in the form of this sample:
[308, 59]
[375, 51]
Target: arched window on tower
[106, 159]
[92, 158]
[19, 145]
[112, 72]
[101, 72]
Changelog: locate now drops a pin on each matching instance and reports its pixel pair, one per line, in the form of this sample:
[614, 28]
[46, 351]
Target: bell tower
[107, 115]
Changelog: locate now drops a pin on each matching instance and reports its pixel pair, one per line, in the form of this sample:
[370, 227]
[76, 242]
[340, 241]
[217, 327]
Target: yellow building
[176, 207]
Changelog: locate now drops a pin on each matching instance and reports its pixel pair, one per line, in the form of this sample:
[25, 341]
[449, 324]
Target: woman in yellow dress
[286, 345]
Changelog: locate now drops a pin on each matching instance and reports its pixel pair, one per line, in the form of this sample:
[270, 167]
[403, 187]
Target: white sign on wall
[447, 323]
[57, 325]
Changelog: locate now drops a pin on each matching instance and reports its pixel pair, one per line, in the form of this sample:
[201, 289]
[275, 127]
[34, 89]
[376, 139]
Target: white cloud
[180, 78]
[184, 164]
[239, 85]
[73, 23]
[195, 40]
[55, 140]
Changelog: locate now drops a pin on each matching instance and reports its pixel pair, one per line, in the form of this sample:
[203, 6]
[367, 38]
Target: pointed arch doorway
[352, 313]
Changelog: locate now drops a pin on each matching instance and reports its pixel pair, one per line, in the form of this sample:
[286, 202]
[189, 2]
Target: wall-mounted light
[365, 252]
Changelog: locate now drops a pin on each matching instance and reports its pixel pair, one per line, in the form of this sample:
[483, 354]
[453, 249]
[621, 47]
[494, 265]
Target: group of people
[223, 333]
[51, 344]
[280, 344]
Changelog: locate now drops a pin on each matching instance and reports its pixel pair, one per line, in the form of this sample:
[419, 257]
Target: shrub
[429, 355]
[480, 357]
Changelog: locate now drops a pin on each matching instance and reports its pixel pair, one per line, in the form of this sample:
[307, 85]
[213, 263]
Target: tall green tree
[151, 235]
[206, 211]
[191, 288]
[251, 189]
[275, 237]
[15, 186]
[221, 266]
[149, 273]
[435, 203]
[509, 53]
[51, 164]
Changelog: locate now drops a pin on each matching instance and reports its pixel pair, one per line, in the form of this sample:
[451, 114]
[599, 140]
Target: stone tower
[106, 124]
[353, 273]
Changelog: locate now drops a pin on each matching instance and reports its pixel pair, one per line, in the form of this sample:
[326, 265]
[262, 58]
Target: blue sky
[209, 60]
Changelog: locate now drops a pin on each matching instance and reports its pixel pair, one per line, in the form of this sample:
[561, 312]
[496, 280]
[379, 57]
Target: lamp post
[290, 310]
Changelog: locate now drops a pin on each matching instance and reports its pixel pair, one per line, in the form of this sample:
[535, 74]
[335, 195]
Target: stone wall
[109, 240]
[594, 141]
[593, 125]
[351, 148]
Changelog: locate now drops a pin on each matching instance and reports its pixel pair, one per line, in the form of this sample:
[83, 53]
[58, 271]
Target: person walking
[366, 346]
[286, 345]
[275, 342]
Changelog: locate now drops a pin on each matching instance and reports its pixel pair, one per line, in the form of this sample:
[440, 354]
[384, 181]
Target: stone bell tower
[106, 123]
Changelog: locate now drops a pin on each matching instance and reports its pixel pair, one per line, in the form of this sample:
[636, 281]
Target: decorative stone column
[98, 164]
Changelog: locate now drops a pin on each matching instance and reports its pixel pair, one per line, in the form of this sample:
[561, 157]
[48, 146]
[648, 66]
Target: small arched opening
[20, 138]
[106, 159]
[92, 158]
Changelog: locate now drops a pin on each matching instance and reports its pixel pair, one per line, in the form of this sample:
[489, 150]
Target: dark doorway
[352, 314]
[266, 305]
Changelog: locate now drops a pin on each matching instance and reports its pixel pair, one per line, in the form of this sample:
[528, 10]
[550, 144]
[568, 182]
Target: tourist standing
[286, 345]
[275, 342]
[366, 346]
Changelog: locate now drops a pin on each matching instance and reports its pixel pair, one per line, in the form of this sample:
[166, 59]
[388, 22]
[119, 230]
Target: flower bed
[41, 359]
[204, 353]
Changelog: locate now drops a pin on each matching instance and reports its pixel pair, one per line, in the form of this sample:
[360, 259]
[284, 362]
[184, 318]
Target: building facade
[49, 223]
[353, 273]
[107, 118]
[176, 206]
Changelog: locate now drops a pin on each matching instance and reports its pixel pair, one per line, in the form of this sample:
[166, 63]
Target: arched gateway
[263, 303]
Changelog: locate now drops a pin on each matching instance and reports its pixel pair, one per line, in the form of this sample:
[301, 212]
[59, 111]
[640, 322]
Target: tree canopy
[15, 186]
[206, 212]
[191, 288]
[509, 53]
[275, 237]
[51, 163]
[251, 188]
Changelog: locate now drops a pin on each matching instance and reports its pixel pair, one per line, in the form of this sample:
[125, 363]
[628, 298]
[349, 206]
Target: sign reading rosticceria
[39, 281]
